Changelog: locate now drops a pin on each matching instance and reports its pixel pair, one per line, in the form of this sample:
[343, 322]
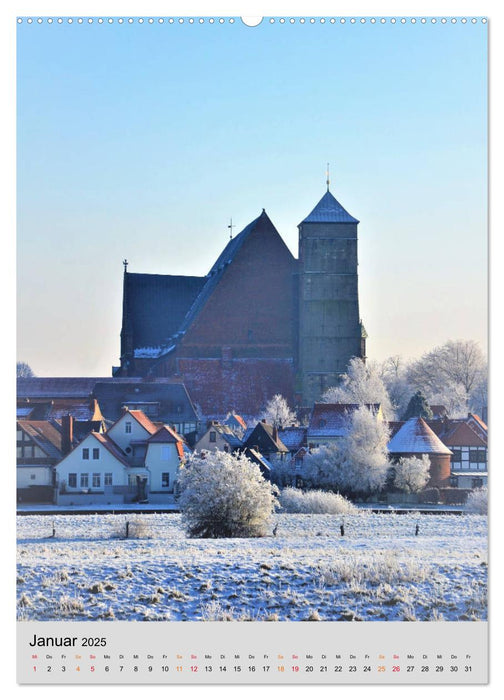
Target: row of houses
[82, 441]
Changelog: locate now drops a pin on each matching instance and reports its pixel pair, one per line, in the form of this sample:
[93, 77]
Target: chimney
[66, 434]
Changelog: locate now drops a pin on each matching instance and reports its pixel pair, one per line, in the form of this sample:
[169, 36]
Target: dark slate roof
[225, 258]
[52, 387]
[157, 305]
[293, 437]
[333, 419]
[263, 436]
[175, 406]
[329, 210]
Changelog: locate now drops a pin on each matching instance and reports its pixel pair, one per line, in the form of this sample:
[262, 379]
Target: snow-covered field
[379, 569]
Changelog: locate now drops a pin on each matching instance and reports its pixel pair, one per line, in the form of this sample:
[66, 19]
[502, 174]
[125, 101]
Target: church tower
[330, 330]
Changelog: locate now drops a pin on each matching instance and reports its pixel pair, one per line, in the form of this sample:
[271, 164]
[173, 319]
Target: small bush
[477, 501]
[225, 495]
[296, 501]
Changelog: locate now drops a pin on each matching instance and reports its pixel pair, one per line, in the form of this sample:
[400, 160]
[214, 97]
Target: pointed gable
[247, 301]
[329, 211]
[415, 437]
[265, 437]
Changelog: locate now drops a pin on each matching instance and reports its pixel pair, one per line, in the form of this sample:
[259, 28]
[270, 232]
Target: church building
[260, 323]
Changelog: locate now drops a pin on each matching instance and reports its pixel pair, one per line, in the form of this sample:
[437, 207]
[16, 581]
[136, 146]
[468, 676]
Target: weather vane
[125, 263]
[231, 227]
[327, 176]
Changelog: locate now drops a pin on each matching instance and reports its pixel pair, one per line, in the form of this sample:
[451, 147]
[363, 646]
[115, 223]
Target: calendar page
[252, 407]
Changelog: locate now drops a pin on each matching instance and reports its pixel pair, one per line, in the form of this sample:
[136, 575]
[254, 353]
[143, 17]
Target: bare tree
[23, 370]
[450, 373]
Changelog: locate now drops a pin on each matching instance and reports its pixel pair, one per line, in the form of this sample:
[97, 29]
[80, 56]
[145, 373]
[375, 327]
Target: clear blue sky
[141, 141]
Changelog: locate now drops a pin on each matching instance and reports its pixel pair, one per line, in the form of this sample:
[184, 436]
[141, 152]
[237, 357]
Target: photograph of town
[252, 319]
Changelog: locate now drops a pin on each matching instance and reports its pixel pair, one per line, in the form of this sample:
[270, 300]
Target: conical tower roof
[415, 437]
[329, 211]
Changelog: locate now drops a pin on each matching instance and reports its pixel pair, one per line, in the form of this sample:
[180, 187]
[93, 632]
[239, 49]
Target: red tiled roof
[44, 434]
[144, 421]
[111, 446]
[165, 434]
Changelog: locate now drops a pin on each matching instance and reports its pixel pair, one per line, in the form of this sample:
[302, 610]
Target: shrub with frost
[477, 501]
[356, 464]
[225, 495]
[412, 473]
[296, 501]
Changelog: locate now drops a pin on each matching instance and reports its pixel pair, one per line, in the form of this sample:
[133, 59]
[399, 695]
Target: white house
[165, 452]
[96, 471]
[136, 460]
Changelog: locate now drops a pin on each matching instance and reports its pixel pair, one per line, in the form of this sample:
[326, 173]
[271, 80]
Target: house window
[33, 477]
[165, 480]
[477, 455]
[72, 481]
[108, 479]
[477, 482]
[96, 480]
[127, 427]
[454, 482]
[213, 436]
[96, 453]
[84, 481]
[85, 453]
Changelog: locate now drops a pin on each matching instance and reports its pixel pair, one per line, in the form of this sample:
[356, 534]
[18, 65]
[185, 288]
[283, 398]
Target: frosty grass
[379, 570]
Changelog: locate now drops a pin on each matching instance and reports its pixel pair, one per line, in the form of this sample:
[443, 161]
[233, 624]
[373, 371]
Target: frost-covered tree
[449, 373]
[362, 384]
[356, 464]
[411, 473]
[23, 370]
[365, 453]
[394, 374]
[417, 407]
[477, 501]
[225, 495]
[278, 414]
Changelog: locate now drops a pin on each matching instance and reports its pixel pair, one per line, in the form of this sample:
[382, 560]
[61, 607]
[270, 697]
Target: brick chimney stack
[66, 434]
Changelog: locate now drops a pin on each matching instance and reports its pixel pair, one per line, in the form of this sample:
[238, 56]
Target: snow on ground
[379, 569]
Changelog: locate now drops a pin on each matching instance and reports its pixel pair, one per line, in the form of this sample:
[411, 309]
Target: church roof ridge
[329, 210]
[216, 271]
